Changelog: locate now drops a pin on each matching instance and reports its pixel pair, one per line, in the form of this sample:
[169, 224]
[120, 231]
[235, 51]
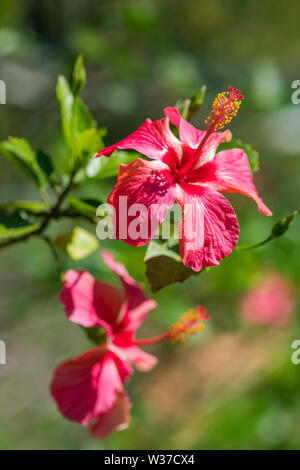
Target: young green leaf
[78, 76]
[21, 154]
[30, 207]
[88, 143]
[76, 117]
[103, 167]
[84, 206]
[188, 108]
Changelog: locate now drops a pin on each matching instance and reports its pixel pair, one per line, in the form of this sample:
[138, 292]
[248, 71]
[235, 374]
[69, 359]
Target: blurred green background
[232, 386]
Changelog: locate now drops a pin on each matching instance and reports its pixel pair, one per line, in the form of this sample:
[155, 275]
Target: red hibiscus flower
[189, 171]
[89, 389]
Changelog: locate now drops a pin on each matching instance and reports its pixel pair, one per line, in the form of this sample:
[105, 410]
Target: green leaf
[88, 143]
[252, 154]
[189, 108]
[82, 244]
[83, 117]
[104, 167]
[66, 101]
[14, 223]
[22, 155]
[164, 265]
[30, 207]
[84, 206]
[78, 76]
[18, 218]
[76, 117]
[45, 164]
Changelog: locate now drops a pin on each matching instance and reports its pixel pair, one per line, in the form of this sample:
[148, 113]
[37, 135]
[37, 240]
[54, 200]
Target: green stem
[65, 192]
[52, 213]
[254, 245]
[47, 199]
[56, 257]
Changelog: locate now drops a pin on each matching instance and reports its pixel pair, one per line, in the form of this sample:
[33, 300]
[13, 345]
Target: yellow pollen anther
[224, 109]
[186, 325]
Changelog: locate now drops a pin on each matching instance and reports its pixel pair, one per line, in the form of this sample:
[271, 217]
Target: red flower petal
[209, 226]
[230, 172]
[89, 302]
[88, 386]
[191, 139]
[189, 135]
[75, 385]
[142, 360]
[137, 305]
[153, 139]
[114, 419]
[115, 371]
[141, 183]
[210, 147]
[123, 346]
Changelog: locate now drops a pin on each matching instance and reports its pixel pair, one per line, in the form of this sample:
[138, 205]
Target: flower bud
[283, 225]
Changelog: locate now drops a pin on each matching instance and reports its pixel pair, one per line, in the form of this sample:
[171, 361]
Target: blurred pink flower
[189, 171]
[270, 302]
[89, 389]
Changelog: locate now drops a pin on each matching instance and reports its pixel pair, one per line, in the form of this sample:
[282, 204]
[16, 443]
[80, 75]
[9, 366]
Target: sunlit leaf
[104, 167]
[84, 206]
[82, 244]
[88, 143]
[20, 152]
[83, 117]
[66, 101]
[31, 207]
[78, 76]
[76, 117]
